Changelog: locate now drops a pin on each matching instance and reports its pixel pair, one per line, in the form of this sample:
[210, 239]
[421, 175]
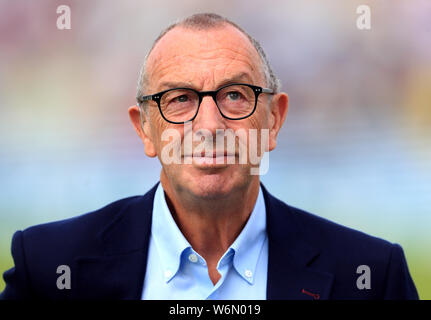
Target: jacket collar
[119, 271]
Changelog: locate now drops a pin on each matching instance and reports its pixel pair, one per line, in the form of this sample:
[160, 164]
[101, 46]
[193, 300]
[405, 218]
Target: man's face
[205, 60]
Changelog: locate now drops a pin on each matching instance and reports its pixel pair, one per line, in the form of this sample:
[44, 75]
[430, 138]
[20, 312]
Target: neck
[211, 225]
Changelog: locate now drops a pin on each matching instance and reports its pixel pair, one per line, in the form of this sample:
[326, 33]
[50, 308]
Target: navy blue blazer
[106, 250]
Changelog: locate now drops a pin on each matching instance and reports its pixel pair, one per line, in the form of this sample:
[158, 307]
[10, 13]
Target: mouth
[214, 159]
[213, 154]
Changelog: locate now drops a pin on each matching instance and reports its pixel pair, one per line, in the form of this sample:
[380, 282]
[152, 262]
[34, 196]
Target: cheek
[259, 120]
[261, 139]
[166, 135]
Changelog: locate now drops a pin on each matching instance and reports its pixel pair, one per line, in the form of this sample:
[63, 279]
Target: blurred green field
[420, 269]
[418, 262]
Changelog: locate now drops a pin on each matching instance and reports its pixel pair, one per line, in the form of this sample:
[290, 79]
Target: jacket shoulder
[347, 253]
[80, 231]
[39, 250]
[330, 232]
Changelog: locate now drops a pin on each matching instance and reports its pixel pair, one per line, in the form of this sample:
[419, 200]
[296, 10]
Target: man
[209, 229]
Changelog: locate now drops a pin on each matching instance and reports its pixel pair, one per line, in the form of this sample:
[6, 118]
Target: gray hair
[205, 21]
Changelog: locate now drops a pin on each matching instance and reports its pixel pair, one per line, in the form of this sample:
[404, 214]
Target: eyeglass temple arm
[266, 90]
[144, 98]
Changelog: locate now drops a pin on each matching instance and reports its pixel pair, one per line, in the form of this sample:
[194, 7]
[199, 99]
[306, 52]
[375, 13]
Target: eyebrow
[243, 76]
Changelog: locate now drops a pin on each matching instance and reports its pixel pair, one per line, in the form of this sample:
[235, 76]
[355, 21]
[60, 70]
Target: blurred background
[356, 147]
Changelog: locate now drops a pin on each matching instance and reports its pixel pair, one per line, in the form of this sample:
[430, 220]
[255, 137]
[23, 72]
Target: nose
[209, 116]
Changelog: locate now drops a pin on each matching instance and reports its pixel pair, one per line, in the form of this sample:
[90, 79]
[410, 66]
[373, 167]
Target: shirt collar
[169, 240]
[248, 245]
[171, 243]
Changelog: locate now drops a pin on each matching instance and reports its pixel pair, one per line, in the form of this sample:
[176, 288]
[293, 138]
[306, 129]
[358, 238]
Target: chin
[216, 184]
[209, 183]
[212, 186]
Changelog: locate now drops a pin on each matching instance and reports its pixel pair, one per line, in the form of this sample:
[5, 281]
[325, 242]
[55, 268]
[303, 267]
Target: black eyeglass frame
[158, 96]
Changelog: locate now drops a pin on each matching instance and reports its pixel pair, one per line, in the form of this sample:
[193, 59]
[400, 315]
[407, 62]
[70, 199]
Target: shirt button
[168, 273]
[248, 273]
[193, 258]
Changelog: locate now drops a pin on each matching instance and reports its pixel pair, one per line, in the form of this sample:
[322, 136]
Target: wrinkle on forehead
[202, 56]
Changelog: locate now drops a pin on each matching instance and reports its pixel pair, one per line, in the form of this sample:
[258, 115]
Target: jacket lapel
[118, 272]
[290, 257]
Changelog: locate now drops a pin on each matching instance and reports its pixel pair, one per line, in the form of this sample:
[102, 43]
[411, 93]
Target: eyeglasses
[234, 101]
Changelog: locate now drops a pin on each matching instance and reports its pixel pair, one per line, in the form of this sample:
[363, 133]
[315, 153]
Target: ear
[143, 129]
[279, 106]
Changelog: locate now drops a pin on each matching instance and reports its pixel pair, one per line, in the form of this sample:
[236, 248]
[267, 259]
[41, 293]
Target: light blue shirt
[176, 271]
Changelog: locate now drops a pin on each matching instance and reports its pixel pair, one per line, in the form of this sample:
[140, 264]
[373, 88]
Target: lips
[215, 154]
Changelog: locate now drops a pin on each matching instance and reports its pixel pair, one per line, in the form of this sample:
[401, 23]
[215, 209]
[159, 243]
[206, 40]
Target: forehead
[203, 57]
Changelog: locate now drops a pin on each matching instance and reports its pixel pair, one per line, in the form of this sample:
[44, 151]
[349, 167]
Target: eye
[182, 98]
[234, 95]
